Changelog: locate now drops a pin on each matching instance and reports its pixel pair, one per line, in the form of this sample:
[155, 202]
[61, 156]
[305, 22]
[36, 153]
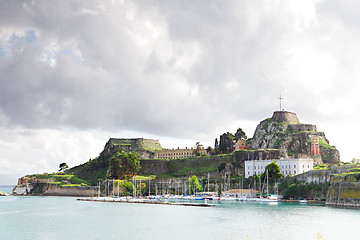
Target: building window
[248, 173]
[285, 172]
[303, 166]
[294, 171]
[294, 166]
[308, 166]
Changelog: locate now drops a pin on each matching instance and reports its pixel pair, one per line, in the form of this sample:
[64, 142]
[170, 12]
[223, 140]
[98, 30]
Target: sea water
[39, 217]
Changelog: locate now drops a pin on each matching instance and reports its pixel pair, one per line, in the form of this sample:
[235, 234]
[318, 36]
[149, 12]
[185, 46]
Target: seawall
[345, 194]
[55, 190]
[76, 191]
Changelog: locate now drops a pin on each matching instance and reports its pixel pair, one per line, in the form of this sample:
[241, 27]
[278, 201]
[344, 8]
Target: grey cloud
[128, 77]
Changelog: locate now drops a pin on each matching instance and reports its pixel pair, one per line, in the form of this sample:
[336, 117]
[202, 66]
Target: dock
[145, 201]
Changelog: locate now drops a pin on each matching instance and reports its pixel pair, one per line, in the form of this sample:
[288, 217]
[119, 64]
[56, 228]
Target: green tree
[197, 149]
[227, 141]
[216, 147]
[132, 164]
[240, 134]
[122, 164]
[274, 172]
[115, 165]
[62, 167]
[194, 185]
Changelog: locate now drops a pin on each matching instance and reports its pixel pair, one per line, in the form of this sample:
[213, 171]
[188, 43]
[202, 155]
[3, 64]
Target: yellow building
[177, 153]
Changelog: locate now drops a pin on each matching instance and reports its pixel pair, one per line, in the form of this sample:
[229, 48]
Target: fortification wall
[322, 176]
[346, 194]
[76, 191]
[199, 166]
[154, 166]
[132, 144]
[316, 157]
[260, 154]
[218, 166]
[283, 116]
[302, 127]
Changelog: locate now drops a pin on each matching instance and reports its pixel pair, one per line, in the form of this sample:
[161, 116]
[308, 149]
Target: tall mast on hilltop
[280, 98]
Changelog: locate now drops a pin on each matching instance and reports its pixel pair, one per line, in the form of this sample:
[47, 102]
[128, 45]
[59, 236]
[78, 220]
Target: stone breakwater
[54, 190]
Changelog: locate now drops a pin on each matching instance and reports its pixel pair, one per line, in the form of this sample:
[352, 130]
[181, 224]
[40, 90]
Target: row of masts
[176, 187]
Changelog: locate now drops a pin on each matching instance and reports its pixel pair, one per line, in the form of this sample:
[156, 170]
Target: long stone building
[177, 153]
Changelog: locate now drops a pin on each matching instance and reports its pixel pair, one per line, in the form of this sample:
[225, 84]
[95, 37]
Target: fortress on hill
[282, 136]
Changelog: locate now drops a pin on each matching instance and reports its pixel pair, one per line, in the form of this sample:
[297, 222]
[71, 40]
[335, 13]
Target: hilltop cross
[280, 98]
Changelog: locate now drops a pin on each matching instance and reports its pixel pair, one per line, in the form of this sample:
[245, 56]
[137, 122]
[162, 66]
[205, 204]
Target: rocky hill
[284, 131]
[97, 168]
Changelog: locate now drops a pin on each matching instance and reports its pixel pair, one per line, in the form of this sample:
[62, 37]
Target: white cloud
[173, 70]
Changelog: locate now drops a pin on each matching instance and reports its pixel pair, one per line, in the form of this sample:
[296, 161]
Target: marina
[48, 217]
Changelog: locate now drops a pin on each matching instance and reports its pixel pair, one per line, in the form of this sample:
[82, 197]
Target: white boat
[303, 201]
[229, 199]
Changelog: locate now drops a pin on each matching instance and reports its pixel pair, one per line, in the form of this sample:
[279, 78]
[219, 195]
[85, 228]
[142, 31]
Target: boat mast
[267, 182]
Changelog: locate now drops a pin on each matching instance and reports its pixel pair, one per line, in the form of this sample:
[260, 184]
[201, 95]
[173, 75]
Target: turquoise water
[65, 218]
[6, 188]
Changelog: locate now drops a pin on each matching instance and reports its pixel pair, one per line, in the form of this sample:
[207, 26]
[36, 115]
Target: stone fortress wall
[136, 143]
[284, 116]
[302, 127]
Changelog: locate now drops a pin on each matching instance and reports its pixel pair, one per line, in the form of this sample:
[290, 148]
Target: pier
[145, 201]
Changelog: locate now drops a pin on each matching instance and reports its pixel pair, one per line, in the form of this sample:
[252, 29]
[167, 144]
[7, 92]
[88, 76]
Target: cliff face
[284, 131]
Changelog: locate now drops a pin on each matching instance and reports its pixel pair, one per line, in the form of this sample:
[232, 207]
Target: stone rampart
[322, 176]
[346, 194]
[154, 166]
[133, 144]
[199, 166]
[302, 127]
[76, 191]
[218, 165]
[283, 116]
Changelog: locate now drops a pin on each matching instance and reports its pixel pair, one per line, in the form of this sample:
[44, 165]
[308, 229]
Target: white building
[287, 166]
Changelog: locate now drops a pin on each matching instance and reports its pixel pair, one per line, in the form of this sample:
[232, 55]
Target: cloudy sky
[75, 73]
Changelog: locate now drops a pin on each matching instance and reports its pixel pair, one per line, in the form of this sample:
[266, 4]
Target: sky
[75, 73]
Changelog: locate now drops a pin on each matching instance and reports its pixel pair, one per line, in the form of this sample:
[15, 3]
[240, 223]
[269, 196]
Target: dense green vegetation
[321, 167]
[297, 189]
[62, 179]
[227, 141]
[124, 165]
